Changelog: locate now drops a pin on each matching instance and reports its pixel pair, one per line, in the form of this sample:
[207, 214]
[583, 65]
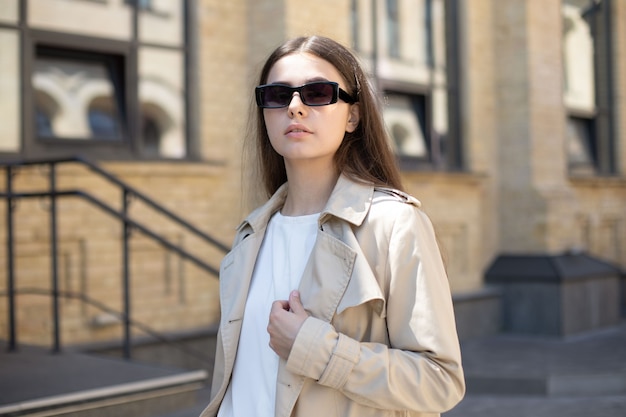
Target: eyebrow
[308, 80]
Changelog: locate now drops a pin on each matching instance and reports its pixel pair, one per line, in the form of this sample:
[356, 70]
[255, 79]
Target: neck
[309, 190]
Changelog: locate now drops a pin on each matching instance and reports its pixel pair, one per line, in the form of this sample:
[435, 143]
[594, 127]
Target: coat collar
[349, 201]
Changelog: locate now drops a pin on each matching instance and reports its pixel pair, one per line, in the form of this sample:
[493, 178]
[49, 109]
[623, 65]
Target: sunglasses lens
[276, 96]
[317, 94]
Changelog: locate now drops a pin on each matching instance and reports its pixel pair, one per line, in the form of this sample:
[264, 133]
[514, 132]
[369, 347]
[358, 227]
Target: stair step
[589, 364]
[34, 382]
[549, 385]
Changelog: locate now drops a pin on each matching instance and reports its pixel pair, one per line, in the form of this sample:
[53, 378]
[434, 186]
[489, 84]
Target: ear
[353, 118]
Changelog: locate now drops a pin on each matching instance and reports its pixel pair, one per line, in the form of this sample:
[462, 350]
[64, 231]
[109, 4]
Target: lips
[296, 128]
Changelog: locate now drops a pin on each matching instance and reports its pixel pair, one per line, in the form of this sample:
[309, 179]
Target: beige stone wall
[224, 83]
[600, 223]
[515, 197]
[531, 117]
[323, 17]
[458, 209]
[479, 126]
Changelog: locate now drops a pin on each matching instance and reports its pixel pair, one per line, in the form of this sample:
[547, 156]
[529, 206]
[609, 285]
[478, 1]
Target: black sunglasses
[317, 93]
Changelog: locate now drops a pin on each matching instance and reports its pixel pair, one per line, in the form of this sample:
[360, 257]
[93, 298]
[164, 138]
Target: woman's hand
[286, 318]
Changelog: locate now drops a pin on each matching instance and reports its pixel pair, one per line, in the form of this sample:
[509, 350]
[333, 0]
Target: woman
[334, 298]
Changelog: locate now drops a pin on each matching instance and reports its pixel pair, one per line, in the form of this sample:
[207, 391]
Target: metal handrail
[128, 225]
[119, 315]
[120, 215]
[133, 191]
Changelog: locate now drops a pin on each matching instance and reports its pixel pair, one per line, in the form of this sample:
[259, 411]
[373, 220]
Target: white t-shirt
[283, 255]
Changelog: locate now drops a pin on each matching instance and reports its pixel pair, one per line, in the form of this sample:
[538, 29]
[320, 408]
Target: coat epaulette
[399, 195]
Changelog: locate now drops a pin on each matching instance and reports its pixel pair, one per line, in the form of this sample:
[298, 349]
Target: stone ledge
[557, 295]
[548, 268]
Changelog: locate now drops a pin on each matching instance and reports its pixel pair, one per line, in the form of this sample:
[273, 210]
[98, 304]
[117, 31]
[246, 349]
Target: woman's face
[304, 134]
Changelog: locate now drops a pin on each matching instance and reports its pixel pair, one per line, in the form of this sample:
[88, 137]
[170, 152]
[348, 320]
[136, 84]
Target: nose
[296, 106]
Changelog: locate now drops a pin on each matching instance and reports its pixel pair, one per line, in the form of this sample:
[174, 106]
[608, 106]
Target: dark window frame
[126, 52]
[455, 152]
[70, 45]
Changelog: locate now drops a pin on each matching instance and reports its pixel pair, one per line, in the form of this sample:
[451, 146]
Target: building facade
[508, 119]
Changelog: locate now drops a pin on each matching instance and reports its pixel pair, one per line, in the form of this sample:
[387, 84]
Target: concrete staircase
[537, 376]
[593, 363]
[35, 382]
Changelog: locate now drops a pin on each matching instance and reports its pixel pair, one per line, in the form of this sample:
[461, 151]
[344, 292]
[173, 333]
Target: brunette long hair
[364, 155]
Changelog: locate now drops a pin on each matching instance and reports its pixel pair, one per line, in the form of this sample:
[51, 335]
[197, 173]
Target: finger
[295, 304]
[280, 305]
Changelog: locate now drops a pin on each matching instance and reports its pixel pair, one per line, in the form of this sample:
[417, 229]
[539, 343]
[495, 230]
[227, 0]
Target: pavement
[531, 376]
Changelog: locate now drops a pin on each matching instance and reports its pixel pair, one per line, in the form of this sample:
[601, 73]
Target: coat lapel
[235, 277]
[320, 289]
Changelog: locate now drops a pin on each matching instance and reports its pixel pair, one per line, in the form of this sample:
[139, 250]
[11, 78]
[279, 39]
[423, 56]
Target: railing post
[54, 260]
[126, 229]
[128, 226]
[10, 264]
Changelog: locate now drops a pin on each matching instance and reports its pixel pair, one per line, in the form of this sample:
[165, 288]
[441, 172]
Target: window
[588, 87]
[106, 79]
[406, 119]
[412, 54]
[78, 95]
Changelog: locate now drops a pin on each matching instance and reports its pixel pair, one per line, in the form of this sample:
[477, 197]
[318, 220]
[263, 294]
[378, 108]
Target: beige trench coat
[381, 337]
